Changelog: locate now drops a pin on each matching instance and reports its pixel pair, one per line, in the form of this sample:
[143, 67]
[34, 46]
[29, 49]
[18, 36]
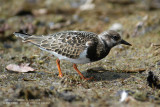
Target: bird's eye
[116, 38]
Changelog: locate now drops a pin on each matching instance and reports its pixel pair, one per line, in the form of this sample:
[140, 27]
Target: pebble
[106, 19]
[158, 63]
[51, 87]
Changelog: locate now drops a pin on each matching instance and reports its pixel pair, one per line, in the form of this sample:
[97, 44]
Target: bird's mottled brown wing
[68, 43]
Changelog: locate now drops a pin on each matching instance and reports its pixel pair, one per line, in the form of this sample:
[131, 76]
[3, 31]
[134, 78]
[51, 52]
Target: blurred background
[134, 17]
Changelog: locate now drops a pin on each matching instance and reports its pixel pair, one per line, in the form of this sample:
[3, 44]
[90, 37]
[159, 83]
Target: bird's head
[112, 38]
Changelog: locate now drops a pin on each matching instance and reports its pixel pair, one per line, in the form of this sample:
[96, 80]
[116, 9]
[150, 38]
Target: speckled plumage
[71, 44]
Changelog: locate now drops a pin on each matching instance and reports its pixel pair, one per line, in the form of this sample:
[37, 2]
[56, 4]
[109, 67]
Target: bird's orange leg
[59, 69]
[75, 67]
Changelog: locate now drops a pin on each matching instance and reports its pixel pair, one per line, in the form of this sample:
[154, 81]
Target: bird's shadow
[101, 74]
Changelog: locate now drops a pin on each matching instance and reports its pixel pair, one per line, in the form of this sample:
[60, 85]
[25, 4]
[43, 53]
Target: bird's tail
[23, 36]
[36, 40]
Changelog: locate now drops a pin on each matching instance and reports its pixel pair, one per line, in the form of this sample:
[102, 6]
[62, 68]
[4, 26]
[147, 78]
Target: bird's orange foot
[81, 75]
[59, 69]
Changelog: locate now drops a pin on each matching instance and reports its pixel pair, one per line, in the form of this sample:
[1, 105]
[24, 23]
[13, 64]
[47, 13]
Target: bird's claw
[60, 76]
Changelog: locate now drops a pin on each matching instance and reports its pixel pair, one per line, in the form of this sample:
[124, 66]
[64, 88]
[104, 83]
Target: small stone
[106, 19]
[158, 63]
[51, 87]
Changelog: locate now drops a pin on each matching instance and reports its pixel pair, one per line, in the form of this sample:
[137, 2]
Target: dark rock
[24, 12]
[153, 80]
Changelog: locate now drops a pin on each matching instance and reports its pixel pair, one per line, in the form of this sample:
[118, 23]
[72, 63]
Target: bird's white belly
[82, 57]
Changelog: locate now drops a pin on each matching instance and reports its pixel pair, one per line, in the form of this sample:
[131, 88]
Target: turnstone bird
[78, 47]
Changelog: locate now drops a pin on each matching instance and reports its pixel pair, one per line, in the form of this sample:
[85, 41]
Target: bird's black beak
[125, 42]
